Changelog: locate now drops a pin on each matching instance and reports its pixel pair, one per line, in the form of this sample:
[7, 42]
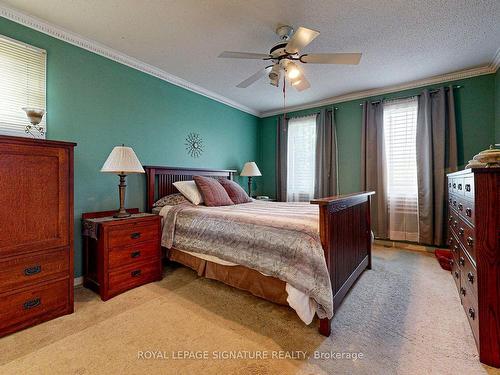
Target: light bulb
[293, 73]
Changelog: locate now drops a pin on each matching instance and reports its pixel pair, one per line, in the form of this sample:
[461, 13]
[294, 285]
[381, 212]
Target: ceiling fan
[285, 56]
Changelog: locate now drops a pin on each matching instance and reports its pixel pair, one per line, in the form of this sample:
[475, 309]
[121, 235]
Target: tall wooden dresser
[36, 231]
[474, 238]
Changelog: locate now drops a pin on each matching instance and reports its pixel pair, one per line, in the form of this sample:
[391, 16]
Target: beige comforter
[276, 239]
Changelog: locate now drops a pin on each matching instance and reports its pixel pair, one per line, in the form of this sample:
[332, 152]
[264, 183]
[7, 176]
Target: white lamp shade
[122, 160]
[250, 169]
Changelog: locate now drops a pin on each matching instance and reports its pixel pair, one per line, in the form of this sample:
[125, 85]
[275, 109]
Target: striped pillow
[212, 192]
[235, 191]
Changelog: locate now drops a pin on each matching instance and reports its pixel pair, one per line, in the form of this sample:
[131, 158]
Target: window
[400, 134]
[301, 158]
[22, 84]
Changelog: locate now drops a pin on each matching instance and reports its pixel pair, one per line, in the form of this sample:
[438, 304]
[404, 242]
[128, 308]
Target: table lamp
[122, 161]
[250, 170]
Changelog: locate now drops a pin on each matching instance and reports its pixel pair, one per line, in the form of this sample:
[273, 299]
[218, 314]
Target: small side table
[120, 254]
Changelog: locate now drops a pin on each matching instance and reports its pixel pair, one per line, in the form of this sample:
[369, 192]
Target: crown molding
[454, 76]
[105, 51]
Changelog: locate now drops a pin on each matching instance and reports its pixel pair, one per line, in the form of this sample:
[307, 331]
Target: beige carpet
[404, 316]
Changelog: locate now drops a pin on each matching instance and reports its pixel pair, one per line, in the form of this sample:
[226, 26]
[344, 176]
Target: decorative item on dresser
[36, 231]
[474, 238]
[120, 253]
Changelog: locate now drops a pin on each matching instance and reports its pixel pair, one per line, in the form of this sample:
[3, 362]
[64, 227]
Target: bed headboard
[160, 180]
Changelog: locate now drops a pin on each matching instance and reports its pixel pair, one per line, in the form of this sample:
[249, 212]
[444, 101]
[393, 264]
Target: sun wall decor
[194, 145]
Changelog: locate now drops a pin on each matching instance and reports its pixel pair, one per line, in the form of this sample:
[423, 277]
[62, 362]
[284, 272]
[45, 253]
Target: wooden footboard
[345, 232]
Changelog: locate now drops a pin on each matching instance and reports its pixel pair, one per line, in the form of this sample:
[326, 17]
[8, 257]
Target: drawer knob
[461, 261]
[459, 186]
[470, 277]
[454, 185]
[32, 303]
[457, 275]
[135, 273]
[455, 224]
[455, 203]
[450, 219]
[455, 249]
[30, 271]
[460, 207]
[467, 187]
[462, 291]
[470, 241]
[472, 313]
[461, 231]
[135, 254]
[450, 240]
[135, 235]
[468, 212]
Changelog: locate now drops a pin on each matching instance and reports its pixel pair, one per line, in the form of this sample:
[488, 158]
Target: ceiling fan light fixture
[295, 81]
[293, 73]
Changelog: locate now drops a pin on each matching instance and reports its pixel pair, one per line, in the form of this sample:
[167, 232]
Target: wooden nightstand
[120, 254]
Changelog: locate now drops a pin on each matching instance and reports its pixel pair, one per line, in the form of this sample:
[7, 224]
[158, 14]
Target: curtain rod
[412, 96]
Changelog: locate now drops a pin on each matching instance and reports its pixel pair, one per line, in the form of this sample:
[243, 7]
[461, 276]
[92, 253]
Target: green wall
[475, 111]
[99, 103]
[497, 106]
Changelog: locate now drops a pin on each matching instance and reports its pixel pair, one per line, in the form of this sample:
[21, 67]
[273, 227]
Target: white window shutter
[22, 84]
[400, 134]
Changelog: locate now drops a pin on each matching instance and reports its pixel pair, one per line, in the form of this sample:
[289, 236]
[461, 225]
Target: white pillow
[190, 191]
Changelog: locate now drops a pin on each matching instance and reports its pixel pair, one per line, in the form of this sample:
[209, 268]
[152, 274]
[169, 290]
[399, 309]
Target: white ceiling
[401, 41]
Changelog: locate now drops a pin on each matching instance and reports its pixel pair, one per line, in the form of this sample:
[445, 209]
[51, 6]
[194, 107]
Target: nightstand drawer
[132, 234]
[27, 270]
[122, 256]
[130, 277]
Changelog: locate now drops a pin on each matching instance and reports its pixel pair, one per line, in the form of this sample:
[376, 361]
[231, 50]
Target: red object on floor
[444, 257]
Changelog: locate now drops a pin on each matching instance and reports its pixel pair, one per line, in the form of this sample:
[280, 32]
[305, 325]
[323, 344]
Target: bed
[304, 255]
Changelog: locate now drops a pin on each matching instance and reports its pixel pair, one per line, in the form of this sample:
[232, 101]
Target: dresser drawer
[467, 239]
[132, 234]
[454, 245]
[455, 272]
[136, 254]
[468, 278]
[27, 270]
[132, 276]
[32, 306]
[469, 186]
[470, 305]
[465, 208]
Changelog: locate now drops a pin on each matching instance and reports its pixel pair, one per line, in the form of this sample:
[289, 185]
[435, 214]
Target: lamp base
[121, 188]
[121, 214]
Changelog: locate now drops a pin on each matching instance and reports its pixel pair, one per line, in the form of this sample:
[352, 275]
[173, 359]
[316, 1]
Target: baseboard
[405, 245]
[78, 281]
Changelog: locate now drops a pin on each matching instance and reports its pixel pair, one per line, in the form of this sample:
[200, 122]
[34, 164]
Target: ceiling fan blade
[301, 38]
[302, 83]
[331, 58]
[255, 77]
[243, 55]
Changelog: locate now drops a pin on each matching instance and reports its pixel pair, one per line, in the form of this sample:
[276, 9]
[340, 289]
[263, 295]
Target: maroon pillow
[212, 192]
[235, 191]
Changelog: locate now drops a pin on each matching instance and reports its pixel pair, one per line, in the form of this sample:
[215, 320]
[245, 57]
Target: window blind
[301, 158]
[400, 134]
[22, 84]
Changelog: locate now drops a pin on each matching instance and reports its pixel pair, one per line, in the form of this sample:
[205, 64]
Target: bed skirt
[240, 277]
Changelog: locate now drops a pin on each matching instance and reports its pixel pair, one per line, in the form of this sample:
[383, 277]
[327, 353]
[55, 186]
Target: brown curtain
[281, 158]
[373, 164]
[326, 182]
[436, 156]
